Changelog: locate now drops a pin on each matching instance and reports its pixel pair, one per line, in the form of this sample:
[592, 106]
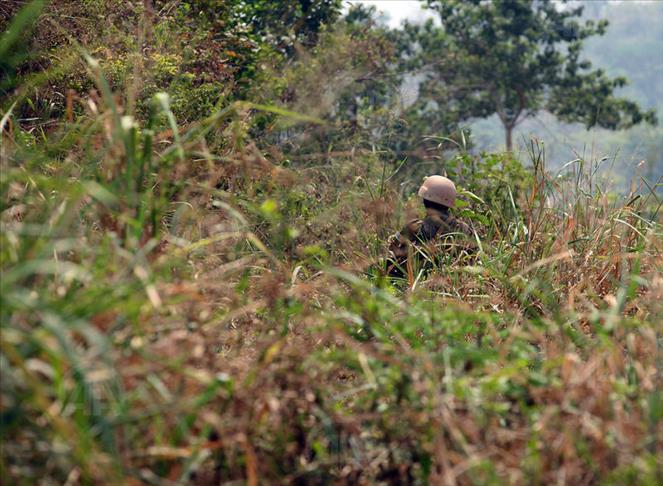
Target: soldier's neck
[437, 212]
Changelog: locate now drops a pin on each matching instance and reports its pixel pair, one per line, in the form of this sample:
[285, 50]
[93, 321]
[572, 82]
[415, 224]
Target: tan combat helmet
[439, 190]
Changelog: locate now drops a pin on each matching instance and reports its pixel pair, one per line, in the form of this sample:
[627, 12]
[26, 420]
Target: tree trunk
[509, 138]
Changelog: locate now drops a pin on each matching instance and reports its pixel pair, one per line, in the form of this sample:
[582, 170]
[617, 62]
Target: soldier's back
[434, 236]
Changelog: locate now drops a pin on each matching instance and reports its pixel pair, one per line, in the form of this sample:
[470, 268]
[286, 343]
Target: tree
[513, 58]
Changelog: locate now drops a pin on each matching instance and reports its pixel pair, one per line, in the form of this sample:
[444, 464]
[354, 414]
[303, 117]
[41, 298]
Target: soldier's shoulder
[463, 227]
[457, 225]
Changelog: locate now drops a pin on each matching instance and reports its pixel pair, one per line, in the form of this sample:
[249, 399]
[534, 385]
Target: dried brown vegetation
[224, 346]
[179, 314]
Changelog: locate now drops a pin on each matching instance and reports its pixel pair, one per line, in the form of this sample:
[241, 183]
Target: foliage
[348, 80]
[174, 311]
[205, 53]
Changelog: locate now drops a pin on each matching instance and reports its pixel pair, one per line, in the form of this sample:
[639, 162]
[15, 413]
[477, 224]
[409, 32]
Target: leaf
[21, 24]
[269, 208]
[5, 119]
[101, 194]
[283, 112]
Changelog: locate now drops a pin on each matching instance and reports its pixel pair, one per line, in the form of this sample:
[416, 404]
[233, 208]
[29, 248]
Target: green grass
[171, 315]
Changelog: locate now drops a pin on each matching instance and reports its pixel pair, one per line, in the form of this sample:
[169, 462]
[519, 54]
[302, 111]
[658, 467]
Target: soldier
[439, 232]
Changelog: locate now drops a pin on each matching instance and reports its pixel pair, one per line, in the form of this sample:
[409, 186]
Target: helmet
[439, 190]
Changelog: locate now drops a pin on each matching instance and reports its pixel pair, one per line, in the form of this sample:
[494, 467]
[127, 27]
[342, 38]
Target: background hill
[631, 47]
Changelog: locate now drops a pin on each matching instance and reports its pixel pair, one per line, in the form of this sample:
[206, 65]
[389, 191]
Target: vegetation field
[192, 291]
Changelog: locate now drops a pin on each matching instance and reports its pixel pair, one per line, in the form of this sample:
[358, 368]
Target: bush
[170, 314]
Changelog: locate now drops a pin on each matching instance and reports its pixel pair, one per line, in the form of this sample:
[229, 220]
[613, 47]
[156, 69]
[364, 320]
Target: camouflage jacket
[437, 233]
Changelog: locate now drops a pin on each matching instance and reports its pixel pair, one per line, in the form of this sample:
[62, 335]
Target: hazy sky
[397, 10]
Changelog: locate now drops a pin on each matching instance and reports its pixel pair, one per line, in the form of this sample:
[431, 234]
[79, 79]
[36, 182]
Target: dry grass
[179, 313]
[218, 346]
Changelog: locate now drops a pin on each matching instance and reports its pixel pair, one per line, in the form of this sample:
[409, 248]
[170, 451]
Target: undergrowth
[172, 315]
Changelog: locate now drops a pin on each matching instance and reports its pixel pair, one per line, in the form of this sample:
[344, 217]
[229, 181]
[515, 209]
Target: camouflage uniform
[438, 233]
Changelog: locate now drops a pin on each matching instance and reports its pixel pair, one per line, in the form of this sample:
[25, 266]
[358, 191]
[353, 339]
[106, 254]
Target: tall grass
[172, 315]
